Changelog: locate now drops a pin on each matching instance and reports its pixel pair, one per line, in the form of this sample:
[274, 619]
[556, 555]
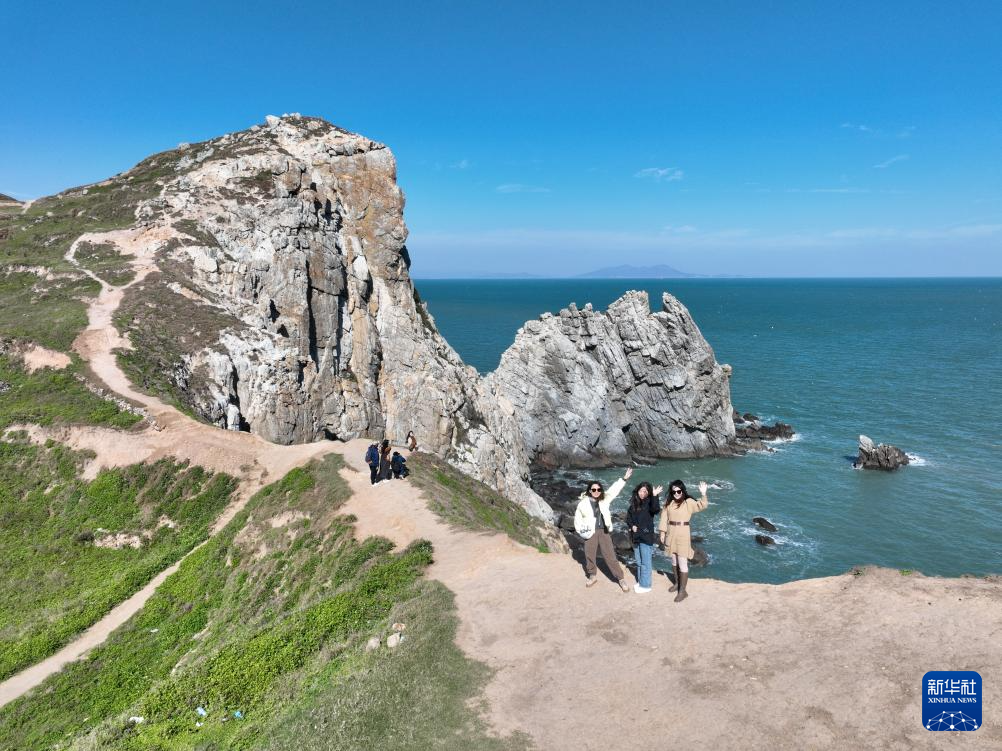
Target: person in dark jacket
[399, 465]
[644, 506]
[385, 468]
[372, 459]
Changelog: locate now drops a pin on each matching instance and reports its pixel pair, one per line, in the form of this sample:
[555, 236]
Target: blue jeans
[642, 554]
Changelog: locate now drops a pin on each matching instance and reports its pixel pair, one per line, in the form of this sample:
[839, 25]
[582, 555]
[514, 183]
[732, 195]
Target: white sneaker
[641, 590]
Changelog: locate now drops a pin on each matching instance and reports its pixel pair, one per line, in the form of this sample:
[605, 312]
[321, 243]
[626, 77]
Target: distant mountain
[4, 198]
[660, 271]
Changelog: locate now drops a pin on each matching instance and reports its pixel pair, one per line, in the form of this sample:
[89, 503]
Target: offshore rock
[602, 388]
[884, 456]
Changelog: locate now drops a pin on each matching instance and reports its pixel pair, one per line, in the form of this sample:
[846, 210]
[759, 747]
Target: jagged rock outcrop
[884, 456]
[282, 304]
[597, 388]
[295, 237]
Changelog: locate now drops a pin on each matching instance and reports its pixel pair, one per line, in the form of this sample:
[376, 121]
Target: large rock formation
[597, 388]
[283, 305]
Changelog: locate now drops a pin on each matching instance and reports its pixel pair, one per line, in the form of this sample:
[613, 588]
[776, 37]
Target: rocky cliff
[597, 388]
[281, 303]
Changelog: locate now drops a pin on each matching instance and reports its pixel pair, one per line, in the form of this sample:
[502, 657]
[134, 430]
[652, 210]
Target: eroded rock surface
[883, 456]
[594, 388]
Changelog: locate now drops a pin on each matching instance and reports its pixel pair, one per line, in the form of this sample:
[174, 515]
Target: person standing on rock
[593, 521]
[675, 534]
[644, 506]
[411, 441]
[385, 461]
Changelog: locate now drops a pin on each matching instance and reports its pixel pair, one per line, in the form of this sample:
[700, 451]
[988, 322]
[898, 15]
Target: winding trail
[818, 663]
[170, 433]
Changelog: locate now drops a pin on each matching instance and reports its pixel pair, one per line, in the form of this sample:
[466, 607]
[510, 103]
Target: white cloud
[520, 188]
[461, 164]
[892, 160]
[859, 127]
[661, 174]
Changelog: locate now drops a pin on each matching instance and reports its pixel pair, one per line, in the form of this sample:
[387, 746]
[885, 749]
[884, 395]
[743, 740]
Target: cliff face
[282, 304]
[294, 235]
[595, 388]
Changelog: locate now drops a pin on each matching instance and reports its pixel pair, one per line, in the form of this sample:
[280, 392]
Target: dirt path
[818, 663]
[172, 434]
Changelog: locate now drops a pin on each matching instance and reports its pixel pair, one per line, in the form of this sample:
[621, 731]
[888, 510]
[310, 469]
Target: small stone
[372, 644]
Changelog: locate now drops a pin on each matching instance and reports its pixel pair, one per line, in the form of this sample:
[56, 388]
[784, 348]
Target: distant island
[626, 271]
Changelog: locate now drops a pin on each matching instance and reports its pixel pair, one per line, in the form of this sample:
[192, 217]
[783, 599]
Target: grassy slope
[468, 503]
[270, 621]
[40, 237]
[56, 581]
[48, 397]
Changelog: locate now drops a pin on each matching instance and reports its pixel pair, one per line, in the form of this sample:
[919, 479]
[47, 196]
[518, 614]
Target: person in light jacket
[593, 522]
[674, 529]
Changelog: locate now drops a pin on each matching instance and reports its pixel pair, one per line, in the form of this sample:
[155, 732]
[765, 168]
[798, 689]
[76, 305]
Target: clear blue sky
[755, 138]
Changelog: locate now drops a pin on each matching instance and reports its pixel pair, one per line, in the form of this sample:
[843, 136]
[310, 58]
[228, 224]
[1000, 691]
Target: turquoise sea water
[916, 363]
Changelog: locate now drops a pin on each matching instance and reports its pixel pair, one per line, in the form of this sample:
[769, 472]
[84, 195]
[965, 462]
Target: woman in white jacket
[593, 522]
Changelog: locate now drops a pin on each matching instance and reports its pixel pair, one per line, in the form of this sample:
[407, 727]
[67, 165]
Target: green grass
[51, 313]
[106, 262]
[270, 620]
[468, 503]
[56, 581]
[55, 397]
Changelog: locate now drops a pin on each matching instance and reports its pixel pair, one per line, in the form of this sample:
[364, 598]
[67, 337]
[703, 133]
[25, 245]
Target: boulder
[762, 522]
[621, 542]
[699, 557]
[883, 456]
[764, 540]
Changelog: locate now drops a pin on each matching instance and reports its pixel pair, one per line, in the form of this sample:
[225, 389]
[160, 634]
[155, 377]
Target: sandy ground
[818, 663]
[812, 664]
[36, 357]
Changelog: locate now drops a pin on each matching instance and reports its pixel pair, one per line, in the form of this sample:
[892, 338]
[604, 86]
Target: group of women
[593, 522]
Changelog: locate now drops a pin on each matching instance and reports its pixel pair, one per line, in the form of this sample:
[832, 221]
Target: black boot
[674, 587]
[683, 579]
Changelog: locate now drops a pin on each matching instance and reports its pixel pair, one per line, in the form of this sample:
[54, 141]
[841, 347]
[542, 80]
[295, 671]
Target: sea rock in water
[883, 456]
[757, 430]
[762, 522]
[764, 540]
[699, 557]
[596, 388]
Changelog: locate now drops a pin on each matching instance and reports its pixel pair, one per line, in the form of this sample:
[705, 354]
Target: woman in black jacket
[644, 506]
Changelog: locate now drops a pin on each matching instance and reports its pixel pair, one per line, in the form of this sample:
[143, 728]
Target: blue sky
[762, 139]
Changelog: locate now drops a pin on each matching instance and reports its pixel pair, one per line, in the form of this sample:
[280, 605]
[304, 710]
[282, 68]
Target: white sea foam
[916, 461]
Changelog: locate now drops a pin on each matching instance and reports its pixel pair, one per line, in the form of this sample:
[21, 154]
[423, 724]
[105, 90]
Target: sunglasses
[594, 490]
[676, 491]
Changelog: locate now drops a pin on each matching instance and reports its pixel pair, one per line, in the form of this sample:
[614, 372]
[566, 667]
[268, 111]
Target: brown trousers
[601, 541]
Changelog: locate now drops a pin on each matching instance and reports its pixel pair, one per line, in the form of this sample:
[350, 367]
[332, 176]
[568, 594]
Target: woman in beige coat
[674, 531]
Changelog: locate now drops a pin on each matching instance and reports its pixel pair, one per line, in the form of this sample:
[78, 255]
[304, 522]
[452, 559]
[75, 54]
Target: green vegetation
[106, 262]
[54, 397]
[163, 327]
[269, 619]
[57, 581]
[50, 312]
[465, 502]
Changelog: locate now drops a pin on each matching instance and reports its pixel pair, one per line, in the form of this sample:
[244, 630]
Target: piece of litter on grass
[136, 720]
[198, 724]
[154, 630]
[238, 714]
[201, 712]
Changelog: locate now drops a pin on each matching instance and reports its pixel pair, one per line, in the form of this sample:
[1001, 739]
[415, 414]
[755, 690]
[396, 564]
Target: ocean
[915, 363]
